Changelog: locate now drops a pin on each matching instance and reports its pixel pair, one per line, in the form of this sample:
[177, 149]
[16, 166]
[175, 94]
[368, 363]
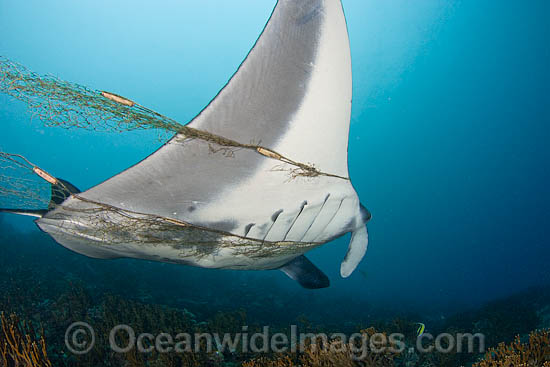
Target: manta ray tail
[304, 272]
[38, 213]
[60, 191]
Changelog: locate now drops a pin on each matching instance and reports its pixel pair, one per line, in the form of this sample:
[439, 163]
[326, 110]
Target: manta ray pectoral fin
[304, 272]
[356, 250]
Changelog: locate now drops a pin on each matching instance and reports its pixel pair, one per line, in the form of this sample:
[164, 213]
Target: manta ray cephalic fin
[356, 250]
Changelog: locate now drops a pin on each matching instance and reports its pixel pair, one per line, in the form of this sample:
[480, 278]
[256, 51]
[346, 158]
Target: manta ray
[258, 178]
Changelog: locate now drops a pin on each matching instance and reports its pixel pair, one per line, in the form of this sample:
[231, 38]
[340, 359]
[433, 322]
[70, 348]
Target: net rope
[58, 103]
[20, 186]
[69, 105]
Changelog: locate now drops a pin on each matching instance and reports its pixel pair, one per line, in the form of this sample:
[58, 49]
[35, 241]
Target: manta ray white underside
[279, 188]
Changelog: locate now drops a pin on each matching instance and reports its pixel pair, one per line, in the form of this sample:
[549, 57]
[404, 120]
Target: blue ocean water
[448, 144]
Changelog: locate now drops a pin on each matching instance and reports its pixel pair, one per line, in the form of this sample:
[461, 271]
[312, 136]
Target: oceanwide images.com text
[80, 338]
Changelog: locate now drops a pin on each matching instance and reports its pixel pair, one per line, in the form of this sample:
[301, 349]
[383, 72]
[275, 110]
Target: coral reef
[19, 345]
[144, 318]
[57, 288]
[533, 353]
[333, 353]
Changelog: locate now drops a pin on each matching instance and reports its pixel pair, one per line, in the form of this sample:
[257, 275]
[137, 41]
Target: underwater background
[449, 150]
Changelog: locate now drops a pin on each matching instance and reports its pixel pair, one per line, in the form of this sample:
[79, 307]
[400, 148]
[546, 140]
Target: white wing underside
[263, 178]
[291, 95]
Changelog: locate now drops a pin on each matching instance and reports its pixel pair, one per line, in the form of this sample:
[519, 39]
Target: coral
[142, 318]
[334, 353]
[534, 353]
[283, 361]
[18, 344]
[55, 289]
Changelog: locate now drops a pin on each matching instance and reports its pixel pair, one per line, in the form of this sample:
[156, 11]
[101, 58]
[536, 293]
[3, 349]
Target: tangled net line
[69, 105]
[59, 103]
[20, 187]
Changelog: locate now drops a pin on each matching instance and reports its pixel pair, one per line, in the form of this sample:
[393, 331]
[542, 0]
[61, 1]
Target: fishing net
[59, 103]
[114, 227]
[106, 226]
[20, 186]
[69, 105]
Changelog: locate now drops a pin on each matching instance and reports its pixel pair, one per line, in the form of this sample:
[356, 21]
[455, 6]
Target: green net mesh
[69, 105]
[59, 103]
[20, 187]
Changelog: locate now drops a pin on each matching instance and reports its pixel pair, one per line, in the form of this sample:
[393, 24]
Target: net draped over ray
[58, 103]
[263, 167]
[30, 187]
[67, 105]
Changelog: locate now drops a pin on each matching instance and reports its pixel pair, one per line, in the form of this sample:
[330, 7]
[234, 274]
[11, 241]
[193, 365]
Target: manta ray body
[263, 179]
